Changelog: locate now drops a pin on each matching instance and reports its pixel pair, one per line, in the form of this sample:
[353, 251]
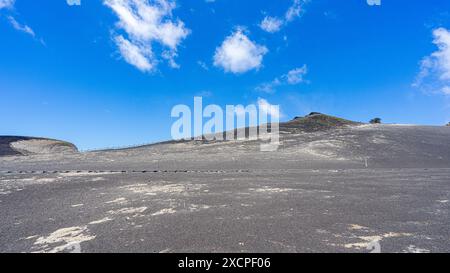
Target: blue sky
[91, 75]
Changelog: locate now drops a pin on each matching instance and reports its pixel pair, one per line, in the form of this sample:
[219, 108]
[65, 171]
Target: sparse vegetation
[315, 122]
[375, 121]
[448, 124]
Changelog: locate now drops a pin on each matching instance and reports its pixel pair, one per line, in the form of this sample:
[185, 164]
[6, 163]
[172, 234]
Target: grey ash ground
[333, 186]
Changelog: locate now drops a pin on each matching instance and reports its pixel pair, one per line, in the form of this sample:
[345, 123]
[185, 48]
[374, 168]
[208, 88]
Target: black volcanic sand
[337, 188]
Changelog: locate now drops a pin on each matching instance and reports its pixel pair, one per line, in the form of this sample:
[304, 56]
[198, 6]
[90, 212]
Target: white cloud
[295, 10]
[446, 90]
[238, 54]
[434, 75]
[274, 24]
[74, 2]
[20, 27]
[271, 24]
[293, 77]
[139, 55]
[146, 22]
[268, 87]
[7, 4]
[266, 107]
[170, 56]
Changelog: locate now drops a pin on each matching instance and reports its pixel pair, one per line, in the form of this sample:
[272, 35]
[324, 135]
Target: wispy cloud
[434, 75]
[293, 77]
[9, 4]
[24, 28]
[6, 4]
[135, 54]
[274, 24]
[294, 10]
[74, 2]
[145, 24]
[271, 24]
[238, 54]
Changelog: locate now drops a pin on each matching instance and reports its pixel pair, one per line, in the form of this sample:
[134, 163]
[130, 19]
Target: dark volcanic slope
[313, 142]
[332, 186]
[316, 122]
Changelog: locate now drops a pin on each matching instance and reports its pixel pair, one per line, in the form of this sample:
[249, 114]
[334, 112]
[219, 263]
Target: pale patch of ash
[357, 227]
[379, 139]
[267, 189]
[60, 239]
[322, 231]
[120, 200]
[324, 148]
[402, 125]
[229, 179]
[30, 179]
[100, 221]
[367, 240]
[17, 184]
[162, 189]
[31, 237]
[195, 208]
[128, 210]
[83, 173]
[164, 211]
[283, 246]
[46, 180]
[379, 126]
[414, 249]
[365, 126]
[98, 179]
